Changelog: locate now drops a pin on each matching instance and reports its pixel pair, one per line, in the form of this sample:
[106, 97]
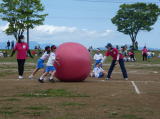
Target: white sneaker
[107, 78]
[126, 79]
[20, 77]
[30, 77]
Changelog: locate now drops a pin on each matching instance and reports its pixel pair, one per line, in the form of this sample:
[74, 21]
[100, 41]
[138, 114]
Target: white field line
[135, 87]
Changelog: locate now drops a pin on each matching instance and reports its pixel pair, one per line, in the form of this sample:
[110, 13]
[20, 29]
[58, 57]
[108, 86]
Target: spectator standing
[144, 53]
[12, 44]
[8, 44]
[124, 52]
[22, 49]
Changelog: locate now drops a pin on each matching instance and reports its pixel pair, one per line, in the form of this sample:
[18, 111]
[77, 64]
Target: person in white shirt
[40, 61]
[98, 72]
[50, 69]
[149, 54]
[98, 57]
[153, 54]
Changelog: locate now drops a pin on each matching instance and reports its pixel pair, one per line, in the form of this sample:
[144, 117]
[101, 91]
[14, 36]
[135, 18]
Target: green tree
[132, 18]
[21, 15]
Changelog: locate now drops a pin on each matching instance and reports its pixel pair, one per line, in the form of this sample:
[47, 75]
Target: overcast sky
[87, 22]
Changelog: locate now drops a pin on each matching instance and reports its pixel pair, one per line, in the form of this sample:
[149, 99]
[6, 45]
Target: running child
[98, 72]
[40, 61]
[50, 69]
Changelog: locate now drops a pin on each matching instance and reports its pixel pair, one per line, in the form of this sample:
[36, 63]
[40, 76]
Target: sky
[87, 22]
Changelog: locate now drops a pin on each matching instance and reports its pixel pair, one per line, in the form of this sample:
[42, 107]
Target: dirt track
[92, 99]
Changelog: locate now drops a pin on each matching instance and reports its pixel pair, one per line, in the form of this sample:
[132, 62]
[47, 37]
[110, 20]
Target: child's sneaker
[30, 77]
[52, 80]
[126, 79]
[20, 77]
[108, 78]
[41, 80]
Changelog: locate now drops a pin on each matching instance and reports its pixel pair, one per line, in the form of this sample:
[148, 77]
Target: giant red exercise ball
[75, 62]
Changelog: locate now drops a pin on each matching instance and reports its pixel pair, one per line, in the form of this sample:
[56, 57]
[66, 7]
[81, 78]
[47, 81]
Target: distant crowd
[129, 54]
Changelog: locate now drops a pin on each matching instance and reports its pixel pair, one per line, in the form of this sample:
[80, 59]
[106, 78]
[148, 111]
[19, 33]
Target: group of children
[98, 71]
[50, 57]
[117, 57]
[129, 56]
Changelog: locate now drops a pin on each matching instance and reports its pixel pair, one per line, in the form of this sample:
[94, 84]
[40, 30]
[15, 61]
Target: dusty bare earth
[91, 99]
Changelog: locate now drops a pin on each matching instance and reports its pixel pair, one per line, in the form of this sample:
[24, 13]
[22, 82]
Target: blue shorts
[101, 74]
[97, 62]
[40, 64]
[50, 68]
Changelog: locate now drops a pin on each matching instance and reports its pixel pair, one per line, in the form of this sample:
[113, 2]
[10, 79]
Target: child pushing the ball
[50, 69]
[40, 62]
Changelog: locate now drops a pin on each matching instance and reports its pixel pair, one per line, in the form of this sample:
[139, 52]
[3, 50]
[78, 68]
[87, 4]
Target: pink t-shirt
[114, 53]
[144, 51]
[21, 49]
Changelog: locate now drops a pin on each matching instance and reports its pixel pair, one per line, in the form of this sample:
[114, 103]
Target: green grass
[12, 99]
[72, 104]
[32, 113]
[6, 73]
[53, 93]
[13, 59]
[37, 108]
[113, 115]
[7, 110]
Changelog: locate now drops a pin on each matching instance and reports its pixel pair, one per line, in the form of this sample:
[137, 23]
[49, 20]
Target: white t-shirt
[45, 56]
[51, 59]
[98, 57]
[149, 53]
[97, 71]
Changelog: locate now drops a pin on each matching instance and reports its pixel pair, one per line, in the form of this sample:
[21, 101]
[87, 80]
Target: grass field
[91, 99]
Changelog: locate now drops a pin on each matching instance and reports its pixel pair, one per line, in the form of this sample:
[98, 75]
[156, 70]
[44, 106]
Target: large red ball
[75, 62]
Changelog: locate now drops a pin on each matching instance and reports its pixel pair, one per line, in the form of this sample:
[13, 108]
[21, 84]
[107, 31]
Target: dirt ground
[91, 99]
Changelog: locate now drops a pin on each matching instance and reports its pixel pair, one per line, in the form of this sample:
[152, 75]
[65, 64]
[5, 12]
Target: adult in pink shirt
[144, 53]
[117, 58]
[22, 49]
